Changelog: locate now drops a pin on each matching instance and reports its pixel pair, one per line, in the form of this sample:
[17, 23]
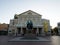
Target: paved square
[55, 40]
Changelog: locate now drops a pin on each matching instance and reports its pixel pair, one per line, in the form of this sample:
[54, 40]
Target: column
[21, 31]
[43, 33]
[16, 32]
[37, 31]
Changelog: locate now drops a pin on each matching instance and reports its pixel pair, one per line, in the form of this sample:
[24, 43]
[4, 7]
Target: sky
[49, 9]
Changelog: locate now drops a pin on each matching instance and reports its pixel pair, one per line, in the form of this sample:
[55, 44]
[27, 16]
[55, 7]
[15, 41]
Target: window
[9, 30]
[58, 28]
[13, 22]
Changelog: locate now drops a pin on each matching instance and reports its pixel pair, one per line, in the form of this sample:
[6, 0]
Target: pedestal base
[20, 39]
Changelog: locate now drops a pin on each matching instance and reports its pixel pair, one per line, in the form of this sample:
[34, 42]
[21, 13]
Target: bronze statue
[29, 25]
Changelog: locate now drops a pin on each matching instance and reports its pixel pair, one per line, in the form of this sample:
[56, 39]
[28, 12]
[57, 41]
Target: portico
[35, 30]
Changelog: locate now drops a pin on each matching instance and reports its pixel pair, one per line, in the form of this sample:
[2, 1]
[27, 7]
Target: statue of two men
[29, 25]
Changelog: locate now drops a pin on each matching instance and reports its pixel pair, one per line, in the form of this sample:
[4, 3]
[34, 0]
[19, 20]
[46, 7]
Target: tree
[56, 30]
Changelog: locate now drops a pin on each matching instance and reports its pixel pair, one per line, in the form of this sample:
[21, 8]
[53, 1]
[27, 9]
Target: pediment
[29, 12]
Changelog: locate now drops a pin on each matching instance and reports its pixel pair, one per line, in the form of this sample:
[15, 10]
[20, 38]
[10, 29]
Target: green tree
[56, 30]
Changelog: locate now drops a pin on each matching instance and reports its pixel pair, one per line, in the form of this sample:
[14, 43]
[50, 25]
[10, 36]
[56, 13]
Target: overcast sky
[49, 9]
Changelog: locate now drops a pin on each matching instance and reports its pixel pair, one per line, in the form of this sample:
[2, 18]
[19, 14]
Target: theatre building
[18, 25]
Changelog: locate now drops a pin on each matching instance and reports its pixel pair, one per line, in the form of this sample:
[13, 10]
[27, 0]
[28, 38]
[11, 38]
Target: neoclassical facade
[18, 25]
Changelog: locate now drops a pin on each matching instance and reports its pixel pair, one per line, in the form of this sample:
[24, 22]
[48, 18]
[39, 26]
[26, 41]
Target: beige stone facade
[18, 25]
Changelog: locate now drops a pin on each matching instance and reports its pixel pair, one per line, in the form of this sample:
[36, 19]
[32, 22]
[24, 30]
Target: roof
[29, 11]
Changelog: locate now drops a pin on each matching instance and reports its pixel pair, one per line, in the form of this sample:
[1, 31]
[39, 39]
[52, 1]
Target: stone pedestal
[29, 35]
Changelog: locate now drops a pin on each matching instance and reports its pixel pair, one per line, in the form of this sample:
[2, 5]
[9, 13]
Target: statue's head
[29, 24]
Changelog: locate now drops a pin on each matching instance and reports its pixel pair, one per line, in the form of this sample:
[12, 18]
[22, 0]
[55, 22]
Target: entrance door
[24, 30]
[40, 30]
[19, 30]
[34, 30]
